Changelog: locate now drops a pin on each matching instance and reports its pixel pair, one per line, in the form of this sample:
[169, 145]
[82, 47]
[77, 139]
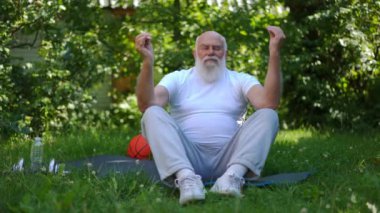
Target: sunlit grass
[346, 178]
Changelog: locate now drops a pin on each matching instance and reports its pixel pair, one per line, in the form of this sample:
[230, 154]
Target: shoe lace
[187, 182]
[236, 181]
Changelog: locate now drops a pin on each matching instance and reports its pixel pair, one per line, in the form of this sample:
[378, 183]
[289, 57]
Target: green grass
[347, 178]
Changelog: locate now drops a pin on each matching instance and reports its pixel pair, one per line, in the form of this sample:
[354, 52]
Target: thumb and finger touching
[143, 44]
[275, 32]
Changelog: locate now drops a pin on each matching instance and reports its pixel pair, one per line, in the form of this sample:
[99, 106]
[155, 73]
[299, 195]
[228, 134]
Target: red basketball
[139, 148]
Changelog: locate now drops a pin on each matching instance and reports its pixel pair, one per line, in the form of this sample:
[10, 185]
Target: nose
[210, 52]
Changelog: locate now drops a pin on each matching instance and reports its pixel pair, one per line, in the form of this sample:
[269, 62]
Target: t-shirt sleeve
[169, 81]
[247, 81]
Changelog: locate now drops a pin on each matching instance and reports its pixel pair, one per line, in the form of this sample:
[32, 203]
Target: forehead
[210, 38]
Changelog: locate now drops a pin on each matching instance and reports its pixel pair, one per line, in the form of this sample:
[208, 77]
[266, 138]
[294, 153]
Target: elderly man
[204, 136]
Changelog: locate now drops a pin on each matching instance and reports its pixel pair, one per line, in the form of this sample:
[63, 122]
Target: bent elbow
[142, 106]
[273, 106]
[267, 107]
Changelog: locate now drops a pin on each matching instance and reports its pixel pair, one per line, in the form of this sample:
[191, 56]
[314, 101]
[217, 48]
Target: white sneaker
[191, 188]
[229, 185]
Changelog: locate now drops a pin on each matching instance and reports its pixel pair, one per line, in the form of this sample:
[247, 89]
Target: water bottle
[36, 154]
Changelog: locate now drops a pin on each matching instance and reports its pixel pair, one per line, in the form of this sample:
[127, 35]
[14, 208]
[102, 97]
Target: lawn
[346, 178]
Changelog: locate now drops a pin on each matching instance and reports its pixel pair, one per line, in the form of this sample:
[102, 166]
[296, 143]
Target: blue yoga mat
[109, 164]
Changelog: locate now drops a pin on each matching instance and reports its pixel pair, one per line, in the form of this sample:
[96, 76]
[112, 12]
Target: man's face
[210, 50]
[209, 55]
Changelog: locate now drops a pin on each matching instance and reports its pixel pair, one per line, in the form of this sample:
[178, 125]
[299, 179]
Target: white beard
[210, 70]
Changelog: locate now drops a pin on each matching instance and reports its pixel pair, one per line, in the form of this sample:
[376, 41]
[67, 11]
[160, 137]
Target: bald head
[211, 36]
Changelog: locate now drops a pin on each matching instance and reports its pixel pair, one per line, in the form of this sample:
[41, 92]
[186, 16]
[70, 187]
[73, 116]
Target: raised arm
[147, 94]
[268, 96]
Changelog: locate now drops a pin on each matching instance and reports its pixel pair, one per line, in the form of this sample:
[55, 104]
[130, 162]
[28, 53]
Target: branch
[28, 44]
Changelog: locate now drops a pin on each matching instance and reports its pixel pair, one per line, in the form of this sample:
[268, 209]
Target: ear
[194, 53]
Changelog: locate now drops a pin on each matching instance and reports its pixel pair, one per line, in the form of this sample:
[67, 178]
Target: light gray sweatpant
[173, 152]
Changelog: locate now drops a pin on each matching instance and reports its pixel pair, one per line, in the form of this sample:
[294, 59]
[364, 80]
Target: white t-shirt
[208, 112]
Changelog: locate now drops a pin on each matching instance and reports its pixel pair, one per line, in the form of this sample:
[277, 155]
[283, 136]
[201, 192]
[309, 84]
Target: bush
[330, 60]
[332, 64]
[55, 92]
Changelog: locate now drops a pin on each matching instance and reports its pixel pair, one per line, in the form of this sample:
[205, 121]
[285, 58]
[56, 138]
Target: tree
[330, 59]
[54, 92]
[332, 56]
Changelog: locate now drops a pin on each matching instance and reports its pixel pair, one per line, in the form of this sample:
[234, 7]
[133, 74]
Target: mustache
[211, 58]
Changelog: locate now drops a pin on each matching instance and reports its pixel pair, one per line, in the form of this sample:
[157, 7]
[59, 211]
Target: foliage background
[330, 60]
